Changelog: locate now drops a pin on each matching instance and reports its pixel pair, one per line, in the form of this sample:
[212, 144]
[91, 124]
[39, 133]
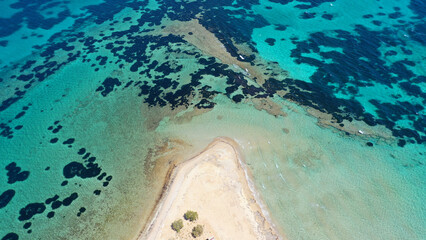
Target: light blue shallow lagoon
[99, 99]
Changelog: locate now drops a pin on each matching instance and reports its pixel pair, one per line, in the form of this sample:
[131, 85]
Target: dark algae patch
[80, 211]
[11, 236]
[51, 214]
[270, 41]
[108, 86]
[6, 197]
[30, 210]
[15, 174]
[27, 225]
[69, 141]
[73, 169]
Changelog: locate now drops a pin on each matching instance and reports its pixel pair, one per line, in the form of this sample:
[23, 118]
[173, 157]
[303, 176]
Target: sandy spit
[215, 184]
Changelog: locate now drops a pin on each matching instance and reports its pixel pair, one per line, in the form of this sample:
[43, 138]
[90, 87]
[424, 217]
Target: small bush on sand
[197, 231]
[177, 225]
[191, 216]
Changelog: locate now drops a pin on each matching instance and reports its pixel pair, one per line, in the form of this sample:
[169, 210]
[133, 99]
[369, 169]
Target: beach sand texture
[214, 184]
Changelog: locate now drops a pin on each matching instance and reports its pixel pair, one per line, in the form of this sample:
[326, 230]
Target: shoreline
[229, 193]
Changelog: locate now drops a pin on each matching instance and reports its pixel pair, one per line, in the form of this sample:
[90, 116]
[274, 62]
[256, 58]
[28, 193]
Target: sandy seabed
[216, 185]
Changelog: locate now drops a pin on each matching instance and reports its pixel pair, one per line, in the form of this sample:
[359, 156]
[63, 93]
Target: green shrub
[191, 216]
[177, 225]
[197, 231]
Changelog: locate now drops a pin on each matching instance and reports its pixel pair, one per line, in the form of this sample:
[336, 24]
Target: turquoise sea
[99, 98]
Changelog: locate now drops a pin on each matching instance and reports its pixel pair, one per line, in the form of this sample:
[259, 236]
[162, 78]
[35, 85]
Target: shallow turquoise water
[316, 181]
[99, 77]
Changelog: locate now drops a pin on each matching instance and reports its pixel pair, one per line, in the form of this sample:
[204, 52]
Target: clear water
[100, 77]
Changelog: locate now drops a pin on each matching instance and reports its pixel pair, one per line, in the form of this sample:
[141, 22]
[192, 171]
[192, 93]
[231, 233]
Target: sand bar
[215, 184]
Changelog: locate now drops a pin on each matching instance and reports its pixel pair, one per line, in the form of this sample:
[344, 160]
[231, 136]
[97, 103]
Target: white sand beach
[214, 184]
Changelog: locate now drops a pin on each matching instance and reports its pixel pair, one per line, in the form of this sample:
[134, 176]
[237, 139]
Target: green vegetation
[197, 231]
[177, 225]
[191, 215]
